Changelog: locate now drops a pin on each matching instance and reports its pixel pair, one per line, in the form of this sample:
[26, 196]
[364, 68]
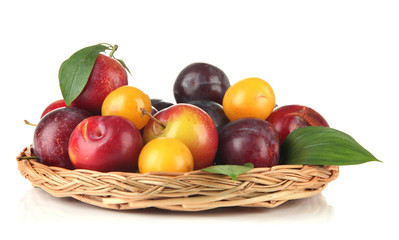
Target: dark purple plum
[51, 136]
[200, 81]
[160, 104]
[249, 140]
[214, 110]
[153, 111]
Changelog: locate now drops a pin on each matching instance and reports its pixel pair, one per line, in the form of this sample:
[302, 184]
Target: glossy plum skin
[51, 136]
[192, 126]
[153, 111]
[105, 143]
[249, 140]
[107, 75]
[214, 110]
[54, 105]
[160, 104]
[286, 119]
[200, 81]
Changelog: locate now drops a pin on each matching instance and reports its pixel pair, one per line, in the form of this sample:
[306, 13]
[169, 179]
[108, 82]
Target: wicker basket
[191, 191]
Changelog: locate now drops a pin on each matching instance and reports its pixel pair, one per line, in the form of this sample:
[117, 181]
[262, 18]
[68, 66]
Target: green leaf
[322, 146]
[75, 71]
[123, 64]
[230, 170]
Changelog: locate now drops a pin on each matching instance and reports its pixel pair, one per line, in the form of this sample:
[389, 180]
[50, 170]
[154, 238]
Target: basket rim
[169, 174]
[191, 191]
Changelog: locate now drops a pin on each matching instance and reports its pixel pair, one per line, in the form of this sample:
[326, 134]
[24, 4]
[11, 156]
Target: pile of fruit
[104, 124]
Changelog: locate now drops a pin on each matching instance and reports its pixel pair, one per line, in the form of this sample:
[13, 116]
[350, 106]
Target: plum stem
[114, 48]
[33, 157]
[145, 112]
[30, 124]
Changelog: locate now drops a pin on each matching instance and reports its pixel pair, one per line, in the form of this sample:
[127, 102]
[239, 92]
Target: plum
[200, 81]
[160, 104]
[54, 105]
[249, 140]
[214, 110]
[51, 136]
[105, 143]
[190, 125]
[107, 75]
[286, 119]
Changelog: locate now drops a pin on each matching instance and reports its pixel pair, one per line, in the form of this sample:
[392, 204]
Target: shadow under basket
[191, 191]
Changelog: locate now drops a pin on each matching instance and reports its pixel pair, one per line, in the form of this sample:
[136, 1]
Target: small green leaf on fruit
[230, 170]
[322, 146]
[124, 65]
[75, 71]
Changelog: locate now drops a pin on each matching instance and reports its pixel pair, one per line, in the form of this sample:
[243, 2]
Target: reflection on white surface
[37, 206]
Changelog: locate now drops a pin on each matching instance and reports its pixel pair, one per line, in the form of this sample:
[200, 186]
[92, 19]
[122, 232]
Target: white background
[339, 57]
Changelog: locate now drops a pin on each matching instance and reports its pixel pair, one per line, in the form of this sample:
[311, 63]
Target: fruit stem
[22, 158]
[114, 48]
[30, 124]
[145, 112]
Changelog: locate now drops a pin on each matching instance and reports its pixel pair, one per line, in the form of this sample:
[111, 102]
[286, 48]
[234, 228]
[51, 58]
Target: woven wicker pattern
[192, 191]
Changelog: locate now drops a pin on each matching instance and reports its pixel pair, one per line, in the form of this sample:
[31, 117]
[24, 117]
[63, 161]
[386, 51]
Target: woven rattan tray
[192, 191]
